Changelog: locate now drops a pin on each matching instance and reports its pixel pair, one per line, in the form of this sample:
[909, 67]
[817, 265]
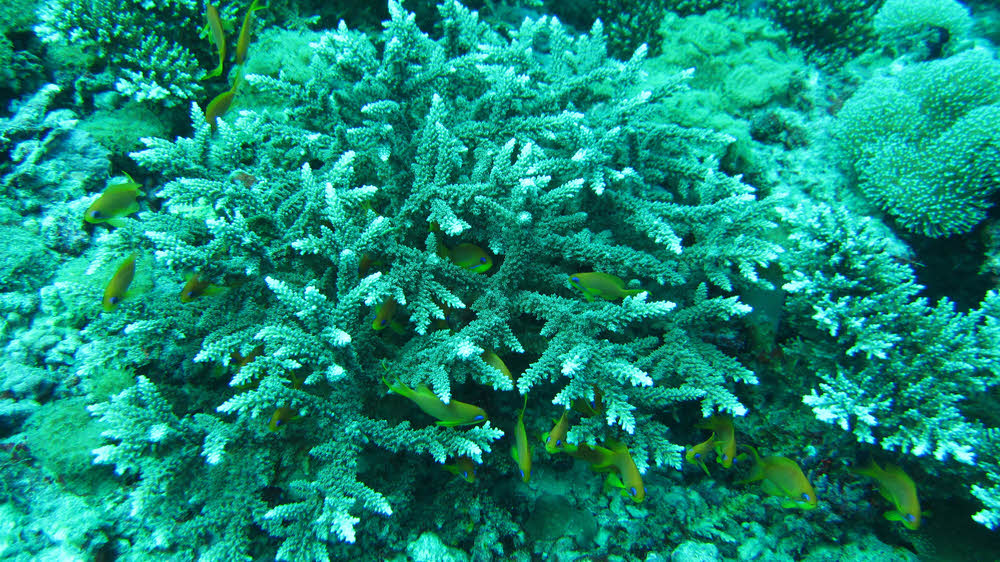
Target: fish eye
[558, 442]
[574, 279]
[632, 490]
[522, 473]
[381, 322]
[278, 422]
[697, 455]
[465, 474]
[477, 418]
[910, 517]
[113, 300]
[806, 496]
[482, 260]
[724, 456]
[95, 213]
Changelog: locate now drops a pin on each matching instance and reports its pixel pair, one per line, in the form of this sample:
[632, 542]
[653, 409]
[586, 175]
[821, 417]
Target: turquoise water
[685, 280]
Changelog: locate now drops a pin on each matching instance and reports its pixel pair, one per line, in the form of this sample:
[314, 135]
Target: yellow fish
[594, 407]
[782, 477]
[464, 468]
[384, 313]
[725, 437]
[493, 360]
[555, 439]
[897, 487]
[118, 286]
[471, 257]
[603, 285]
[613, 457]
[281, 416]
[197, 287]
[220, 103]
[117, 201]
[285, 414]
[452, 414]
[696, 455]
[243, 43]
[218, 37]
[521, 450]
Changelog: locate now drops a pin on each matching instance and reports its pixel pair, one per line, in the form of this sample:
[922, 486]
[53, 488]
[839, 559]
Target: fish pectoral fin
[893, 515]
[458, 423]
[613, 481]
[772, 489]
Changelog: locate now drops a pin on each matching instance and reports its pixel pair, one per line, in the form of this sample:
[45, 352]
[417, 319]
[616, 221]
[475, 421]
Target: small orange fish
[696, 455]
[782, 477]
[602, 285]
[218, 37]
[117, 201]
[897, 487]
[243, 43]
[464, 468]
[725, 437]
[556, 439]
[521, 451]
[452, 414]
[220, 104]
[246, 179]
[197, 287]
[118, 286]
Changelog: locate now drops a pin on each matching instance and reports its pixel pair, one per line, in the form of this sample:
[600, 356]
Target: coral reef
[921, 142]
[487, 286]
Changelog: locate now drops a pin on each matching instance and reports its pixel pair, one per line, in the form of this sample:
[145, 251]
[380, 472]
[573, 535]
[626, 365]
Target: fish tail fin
[217, 72]
[398, 387]
[757, 472]
[867, 468]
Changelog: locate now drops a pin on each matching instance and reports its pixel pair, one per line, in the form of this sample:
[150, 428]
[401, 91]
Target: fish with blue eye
[897, 487]
[116, 202]
[614, 457]
[117, 287]
[196, 287]
[521, 451]
[285, 414]
[725, 437]
[782, 477]
[591, 408]
[464, 468]
[384, 313]
[555, 439]
[451, 414]
[281, 417]
[601, 285]
[471, 257]
[696, 454]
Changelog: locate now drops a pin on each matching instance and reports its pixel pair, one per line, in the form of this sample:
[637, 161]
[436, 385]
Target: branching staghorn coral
[314, 210]
[144, 49]
[893, 369]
